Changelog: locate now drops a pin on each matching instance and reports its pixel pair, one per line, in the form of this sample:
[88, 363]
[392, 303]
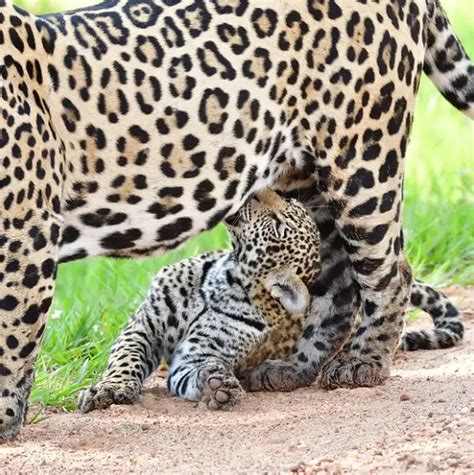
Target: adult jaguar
[132, 125]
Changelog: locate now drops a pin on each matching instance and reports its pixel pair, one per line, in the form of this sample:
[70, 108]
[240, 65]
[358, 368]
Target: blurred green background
[94, 297]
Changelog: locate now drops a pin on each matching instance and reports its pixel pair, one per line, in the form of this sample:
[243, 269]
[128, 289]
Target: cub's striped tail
[446, 62]
[448, 330]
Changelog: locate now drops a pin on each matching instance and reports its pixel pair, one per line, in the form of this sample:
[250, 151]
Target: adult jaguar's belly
[143, 211]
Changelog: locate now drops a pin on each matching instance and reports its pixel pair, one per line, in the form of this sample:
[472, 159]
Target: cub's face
[272, 234]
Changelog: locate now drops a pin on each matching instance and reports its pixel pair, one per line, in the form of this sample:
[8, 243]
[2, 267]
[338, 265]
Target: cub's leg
[208, 379]
[28, 256]
[151, 333]
[202, 368]
[221, 391]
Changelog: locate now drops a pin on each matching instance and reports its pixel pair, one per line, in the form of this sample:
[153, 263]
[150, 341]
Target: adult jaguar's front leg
[28, 254]
[31, 174]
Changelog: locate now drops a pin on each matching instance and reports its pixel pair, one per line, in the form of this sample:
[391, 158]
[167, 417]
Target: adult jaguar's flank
[130, 126]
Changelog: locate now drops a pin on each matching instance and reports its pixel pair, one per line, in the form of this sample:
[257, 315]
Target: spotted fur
[218, 316]
[328, 337]
[132, 125]
[214, 316]
[448, 329]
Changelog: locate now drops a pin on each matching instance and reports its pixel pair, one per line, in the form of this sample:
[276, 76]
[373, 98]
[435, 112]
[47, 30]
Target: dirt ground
[421, 420]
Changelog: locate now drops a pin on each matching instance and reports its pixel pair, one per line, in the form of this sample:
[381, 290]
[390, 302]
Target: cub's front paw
[275, 375]
[104, 395]
[221, 393]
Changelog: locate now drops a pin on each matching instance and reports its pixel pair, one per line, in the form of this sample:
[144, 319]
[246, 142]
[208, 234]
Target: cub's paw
[221, 393]
[353, 373]
[274, 375]
[104, 395]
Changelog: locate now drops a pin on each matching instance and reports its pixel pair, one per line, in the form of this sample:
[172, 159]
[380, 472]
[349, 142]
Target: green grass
[439, 204]
[94, 298]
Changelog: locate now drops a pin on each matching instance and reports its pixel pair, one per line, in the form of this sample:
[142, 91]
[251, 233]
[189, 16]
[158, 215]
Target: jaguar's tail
[448, 330]
[446, 62]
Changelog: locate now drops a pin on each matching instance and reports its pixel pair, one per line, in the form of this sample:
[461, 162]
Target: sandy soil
[421, 420]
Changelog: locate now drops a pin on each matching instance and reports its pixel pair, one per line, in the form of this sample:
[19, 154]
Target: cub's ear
[289, 290]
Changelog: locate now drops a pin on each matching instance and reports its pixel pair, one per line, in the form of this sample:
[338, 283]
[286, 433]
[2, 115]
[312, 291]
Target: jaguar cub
[217, 315]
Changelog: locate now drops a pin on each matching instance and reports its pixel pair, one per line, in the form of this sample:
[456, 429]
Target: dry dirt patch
[421, 420]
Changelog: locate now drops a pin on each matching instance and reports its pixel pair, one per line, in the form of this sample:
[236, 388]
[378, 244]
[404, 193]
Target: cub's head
[277, 241]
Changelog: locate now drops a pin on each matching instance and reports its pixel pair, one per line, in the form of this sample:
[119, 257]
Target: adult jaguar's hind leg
[359, 173]
[28, 253]
[362, 260]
